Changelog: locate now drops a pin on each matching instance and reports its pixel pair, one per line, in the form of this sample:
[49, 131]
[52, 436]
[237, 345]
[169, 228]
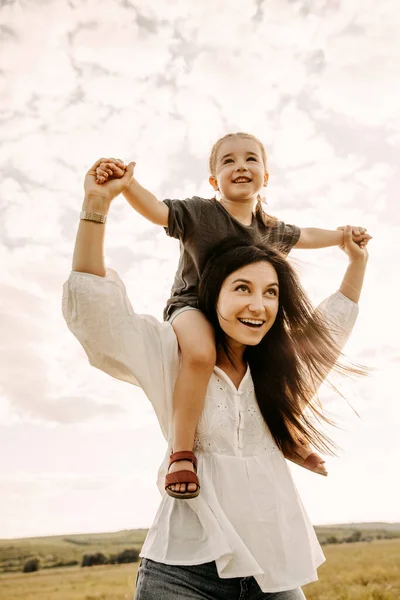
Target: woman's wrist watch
[91, 216]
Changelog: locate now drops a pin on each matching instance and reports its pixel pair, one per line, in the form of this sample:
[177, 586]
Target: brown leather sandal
[183, 476]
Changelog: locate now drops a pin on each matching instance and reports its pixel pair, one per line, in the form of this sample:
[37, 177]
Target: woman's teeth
[252, 322]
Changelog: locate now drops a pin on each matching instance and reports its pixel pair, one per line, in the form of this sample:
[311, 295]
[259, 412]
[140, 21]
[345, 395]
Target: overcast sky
[158, 82]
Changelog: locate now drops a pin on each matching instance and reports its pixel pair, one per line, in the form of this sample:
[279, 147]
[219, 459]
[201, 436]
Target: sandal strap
[183, 455]
[181, 477]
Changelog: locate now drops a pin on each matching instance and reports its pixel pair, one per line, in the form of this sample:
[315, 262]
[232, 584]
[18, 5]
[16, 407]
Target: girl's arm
[143, 201]
[312, 237]
[146, 204]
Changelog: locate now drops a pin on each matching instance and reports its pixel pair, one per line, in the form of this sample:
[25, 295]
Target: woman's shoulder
[106, 299]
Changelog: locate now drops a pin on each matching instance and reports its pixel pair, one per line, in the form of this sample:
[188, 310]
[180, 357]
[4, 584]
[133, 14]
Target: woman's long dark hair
[295, 354]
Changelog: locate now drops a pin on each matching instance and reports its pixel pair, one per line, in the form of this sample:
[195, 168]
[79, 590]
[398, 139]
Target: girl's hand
[110, 189]
[359, 235]
[355, 251]
[110, 168]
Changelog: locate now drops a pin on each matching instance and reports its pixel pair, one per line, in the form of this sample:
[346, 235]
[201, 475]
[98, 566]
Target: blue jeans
[156, 581]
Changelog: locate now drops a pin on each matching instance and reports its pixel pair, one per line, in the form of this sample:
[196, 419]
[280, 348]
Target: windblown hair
[266, 219]
[294, 356]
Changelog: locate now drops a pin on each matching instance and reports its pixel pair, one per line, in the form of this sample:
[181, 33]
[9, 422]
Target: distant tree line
[34, 564]
[128, 555]
[132, 554]
[358, 536]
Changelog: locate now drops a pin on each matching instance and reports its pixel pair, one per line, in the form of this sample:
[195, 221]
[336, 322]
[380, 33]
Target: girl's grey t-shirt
[199, 224]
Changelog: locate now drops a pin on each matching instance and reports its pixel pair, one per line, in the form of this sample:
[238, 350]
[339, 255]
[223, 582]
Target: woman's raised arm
[89, 245]
[353, 279]
[340, 310]
[134, 348]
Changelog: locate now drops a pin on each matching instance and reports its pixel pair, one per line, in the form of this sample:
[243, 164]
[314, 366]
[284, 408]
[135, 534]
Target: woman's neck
[235, 367]
[241, 211]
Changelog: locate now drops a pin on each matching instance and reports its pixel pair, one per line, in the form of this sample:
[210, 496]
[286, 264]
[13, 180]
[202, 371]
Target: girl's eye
[252, 158]
[227, 160]
[242, 288]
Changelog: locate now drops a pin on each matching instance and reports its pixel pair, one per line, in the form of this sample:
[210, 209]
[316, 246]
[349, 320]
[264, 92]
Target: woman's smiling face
[248, 304]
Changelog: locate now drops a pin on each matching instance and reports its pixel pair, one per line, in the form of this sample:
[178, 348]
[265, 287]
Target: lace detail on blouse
[231, 422]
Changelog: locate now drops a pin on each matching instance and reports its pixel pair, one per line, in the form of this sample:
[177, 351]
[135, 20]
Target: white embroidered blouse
[248, 517]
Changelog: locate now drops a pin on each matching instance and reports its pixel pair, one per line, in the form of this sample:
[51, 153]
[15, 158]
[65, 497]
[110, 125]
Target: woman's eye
[272, 292]
[242, 288]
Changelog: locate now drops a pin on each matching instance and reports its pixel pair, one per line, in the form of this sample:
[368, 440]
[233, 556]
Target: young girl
[238, 171]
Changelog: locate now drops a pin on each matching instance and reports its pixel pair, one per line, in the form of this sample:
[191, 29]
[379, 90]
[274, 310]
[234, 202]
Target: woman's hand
[359, 234]
[107, 191]
[351, 248]
[358, 257]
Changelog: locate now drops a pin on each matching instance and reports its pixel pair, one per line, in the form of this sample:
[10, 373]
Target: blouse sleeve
[340, 313]
[118, 341]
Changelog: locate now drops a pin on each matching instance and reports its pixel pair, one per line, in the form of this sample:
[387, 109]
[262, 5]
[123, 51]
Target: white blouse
[248, 517]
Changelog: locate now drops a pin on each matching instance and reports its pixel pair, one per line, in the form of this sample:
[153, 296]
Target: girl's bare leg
[198, 352]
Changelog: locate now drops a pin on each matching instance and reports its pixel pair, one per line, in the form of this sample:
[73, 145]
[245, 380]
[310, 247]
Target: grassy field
[54, 550]
[109, 582]
[358, 571]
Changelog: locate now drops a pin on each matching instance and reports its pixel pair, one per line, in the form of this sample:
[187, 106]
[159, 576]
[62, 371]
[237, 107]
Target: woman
[247, 534]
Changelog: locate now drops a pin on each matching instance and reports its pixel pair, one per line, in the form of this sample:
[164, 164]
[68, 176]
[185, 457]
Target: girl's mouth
[242, 180]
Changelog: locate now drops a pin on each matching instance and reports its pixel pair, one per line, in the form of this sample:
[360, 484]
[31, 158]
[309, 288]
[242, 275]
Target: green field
[360, 571]
[109, 582]
[54, 550]
[353, 571]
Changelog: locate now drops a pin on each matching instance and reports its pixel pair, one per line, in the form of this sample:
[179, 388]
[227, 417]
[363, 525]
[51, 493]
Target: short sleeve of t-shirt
[183, 216]
[287, 236]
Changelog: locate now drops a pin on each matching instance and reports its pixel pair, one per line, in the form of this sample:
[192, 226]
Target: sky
[159, 82]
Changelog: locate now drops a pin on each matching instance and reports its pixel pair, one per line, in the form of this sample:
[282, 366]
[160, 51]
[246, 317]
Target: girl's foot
[303, 456]
[182, 481]
[315, 463]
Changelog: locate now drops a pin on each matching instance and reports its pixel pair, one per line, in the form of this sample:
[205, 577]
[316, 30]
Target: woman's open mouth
[252, 323]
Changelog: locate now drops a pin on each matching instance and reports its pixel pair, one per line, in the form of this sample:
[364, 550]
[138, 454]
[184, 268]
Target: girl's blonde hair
[268, 220]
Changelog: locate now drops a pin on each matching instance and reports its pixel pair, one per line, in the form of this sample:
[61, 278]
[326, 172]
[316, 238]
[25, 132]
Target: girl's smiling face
[240, 172]
[248, 304]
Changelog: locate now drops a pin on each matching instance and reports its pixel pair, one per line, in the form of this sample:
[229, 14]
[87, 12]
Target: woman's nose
[257, 304]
